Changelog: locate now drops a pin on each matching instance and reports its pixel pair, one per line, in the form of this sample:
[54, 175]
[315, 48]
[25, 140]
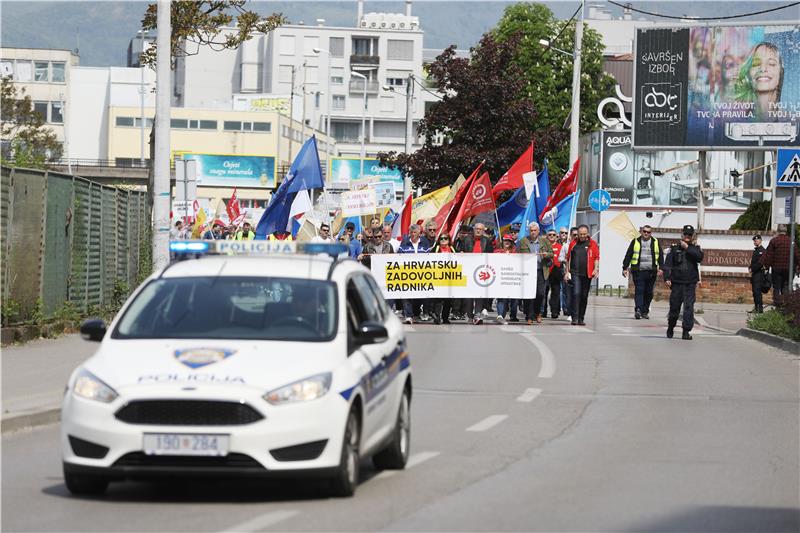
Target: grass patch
[775, 322]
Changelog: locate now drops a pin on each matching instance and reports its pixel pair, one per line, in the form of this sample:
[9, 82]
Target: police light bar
[256, 248]
[188, 247]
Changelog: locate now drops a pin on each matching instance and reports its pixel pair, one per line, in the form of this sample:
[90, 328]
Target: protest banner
[384, 193]
[455, 275]
[355, 203]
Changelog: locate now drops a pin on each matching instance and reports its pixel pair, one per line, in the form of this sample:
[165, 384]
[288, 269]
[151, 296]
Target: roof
[280, 266]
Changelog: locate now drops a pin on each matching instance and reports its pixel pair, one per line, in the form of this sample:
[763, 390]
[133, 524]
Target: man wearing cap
[682, 272]
[355, 244]
[644, 260]
[757, 278]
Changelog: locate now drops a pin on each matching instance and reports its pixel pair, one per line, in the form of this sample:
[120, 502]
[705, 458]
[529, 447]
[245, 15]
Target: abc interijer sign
[717, 87]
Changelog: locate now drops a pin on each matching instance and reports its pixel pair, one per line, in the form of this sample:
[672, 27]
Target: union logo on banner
[479, 191]
[484, 275]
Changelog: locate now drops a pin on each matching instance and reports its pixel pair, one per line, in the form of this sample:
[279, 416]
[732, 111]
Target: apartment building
[45, 75]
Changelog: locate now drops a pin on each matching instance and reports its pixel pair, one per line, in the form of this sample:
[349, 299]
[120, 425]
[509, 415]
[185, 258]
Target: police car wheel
[395, 455]
[81, 484]
[345, 481]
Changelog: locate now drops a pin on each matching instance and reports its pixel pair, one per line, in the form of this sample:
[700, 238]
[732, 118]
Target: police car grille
[232, 460]
[188, 413]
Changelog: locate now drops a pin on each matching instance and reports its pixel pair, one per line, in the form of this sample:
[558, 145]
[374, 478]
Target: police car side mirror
[93, 329]
[371, 333]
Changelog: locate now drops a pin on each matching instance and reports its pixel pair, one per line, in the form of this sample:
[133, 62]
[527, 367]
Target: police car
[271, 363]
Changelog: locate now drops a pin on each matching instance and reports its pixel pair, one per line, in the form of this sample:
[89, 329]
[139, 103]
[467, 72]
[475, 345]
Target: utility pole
[161, 171]
[291, 117]
[574, 132]
[409, 130]
[303, 120]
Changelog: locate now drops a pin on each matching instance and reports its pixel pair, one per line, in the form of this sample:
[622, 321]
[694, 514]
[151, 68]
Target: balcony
[357, 86]
[366, 60]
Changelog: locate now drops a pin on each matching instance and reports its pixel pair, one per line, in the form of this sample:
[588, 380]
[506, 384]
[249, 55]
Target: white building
[320, 60]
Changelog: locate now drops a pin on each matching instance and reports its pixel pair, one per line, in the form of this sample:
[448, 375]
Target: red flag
[478, 199]
[405, 217]
[444, 218]
[568, 185]
[512, 179]
[233, 208]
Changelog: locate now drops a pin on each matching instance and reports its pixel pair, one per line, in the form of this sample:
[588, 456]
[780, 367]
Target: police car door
[376, 384]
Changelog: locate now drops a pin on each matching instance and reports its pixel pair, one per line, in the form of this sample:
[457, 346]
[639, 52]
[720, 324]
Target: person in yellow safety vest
[644, 260]
[246, 233]
[281, 236]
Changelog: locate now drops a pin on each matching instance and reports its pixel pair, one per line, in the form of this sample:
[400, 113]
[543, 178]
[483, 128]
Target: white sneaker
[484, 313]
[501, 320]
[408, 320]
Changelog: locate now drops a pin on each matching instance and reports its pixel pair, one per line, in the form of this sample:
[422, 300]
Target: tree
[197, 23]
[27, 142]
[485, 113]
[549, 73]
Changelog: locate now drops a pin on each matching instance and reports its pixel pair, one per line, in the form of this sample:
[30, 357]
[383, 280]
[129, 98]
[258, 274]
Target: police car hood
[264, 365]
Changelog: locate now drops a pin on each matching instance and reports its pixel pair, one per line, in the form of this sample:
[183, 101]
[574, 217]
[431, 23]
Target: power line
[564, 27]
[743, 15]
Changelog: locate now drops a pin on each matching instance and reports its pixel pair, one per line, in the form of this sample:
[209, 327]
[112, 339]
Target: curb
[772, 340]
[702, 321]
[30, 420]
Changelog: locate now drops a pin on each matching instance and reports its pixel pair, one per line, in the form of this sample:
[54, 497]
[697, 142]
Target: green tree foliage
[549, 73]
[756, 217]
[198, 23]
[485, 113]
[27, 142]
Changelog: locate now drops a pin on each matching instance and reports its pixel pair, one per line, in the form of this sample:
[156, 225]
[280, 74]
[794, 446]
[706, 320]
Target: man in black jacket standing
[644, 258]
[477, 243]
[757, 275]
[681, 272]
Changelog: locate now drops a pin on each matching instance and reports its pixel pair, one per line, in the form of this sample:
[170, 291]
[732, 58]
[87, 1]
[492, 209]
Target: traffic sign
[599, 200]
[788, 170]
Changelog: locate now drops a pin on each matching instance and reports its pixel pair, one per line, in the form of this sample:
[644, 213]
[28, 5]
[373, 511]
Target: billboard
[717, 88]
[618, 166]
[228, 170]
[344, 169]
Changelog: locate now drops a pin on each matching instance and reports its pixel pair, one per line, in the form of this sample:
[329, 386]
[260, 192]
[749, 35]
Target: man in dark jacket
[757, 279]
[644, 258]
[777, 258]
[477, 243]
[681, 272]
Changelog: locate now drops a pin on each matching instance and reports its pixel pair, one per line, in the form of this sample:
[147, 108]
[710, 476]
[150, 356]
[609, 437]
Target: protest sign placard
[355, 203]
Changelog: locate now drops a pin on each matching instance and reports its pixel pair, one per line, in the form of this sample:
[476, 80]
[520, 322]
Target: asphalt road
[515, 428]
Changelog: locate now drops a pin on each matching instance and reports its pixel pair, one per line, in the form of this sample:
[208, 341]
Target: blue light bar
[333, 250]
[188, 247]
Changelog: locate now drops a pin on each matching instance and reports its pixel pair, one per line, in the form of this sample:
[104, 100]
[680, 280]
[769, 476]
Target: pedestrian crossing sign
[788, 170]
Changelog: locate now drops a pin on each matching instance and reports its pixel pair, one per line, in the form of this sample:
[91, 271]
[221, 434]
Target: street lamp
[363, 120]
[409, 94]
[328, 110]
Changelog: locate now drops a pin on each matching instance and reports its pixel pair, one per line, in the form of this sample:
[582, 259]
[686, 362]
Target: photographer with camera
[682, 272]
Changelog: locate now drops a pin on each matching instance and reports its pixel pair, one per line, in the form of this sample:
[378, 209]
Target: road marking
[408, 327]
[414, 460]
[548, 368]
[263, 521]
[529, 395]
[576, 329]
[487, 423]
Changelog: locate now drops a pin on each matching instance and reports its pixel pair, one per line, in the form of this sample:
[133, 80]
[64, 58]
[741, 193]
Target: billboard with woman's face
[717, 87]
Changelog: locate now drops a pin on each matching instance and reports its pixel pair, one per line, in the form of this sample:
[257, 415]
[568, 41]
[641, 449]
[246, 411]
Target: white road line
[529, 395]
[548, 368]
[577, 329]
[487, 423]
[414, 460]
[263, 521]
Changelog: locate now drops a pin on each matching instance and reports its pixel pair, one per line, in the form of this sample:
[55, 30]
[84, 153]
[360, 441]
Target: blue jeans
[565, 297]
[503, 305]
[644, 281]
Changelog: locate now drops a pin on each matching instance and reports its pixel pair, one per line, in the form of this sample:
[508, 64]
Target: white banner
[356, 203]
[455, 275]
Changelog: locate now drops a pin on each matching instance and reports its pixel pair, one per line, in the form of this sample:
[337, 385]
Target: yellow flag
[199, 223]
[454, 189]
[337, 223]
[427, 205]
[623, 226]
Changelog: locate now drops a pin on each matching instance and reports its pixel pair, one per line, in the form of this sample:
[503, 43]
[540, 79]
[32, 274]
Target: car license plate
[185, 444]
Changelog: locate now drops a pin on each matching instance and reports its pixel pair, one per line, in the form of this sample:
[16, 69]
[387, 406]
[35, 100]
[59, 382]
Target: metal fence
[65, 238]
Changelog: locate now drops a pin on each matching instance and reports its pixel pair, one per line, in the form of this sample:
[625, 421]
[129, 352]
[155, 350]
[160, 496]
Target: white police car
[233, 365]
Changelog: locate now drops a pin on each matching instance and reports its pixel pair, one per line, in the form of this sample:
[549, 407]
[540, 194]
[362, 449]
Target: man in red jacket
[554, 281]
[777, 258]
[583, 262]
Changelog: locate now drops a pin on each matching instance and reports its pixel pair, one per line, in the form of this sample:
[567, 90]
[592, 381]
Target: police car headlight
[301, 391]
[89, 386]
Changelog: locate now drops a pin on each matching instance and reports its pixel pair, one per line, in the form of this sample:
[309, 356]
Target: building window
[265, 127]
[337, 76]
[312, 75]
[400, 50]
[336, 46]
[176, 123]
[338, 102]
[41, 71]
[285, 73]
[309, 43]
[23, 71]
[316, 100]
[286, 45]
[59, 72]
[124, 121]
[148, 122]
[56, 115]
[345, 131]
[365, 46]
[396, 82]
[231, 125]
[41, 109]
[208, 124]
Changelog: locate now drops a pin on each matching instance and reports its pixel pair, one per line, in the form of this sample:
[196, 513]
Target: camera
[649, 214]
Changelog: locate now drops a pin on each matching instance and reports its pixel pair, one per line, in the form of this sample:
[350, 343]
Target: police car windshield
[244, 308]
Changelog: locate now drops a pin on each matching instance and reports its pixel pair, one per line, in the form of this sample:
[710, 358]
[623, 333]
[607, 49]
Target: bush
[789, 305]
[10, 311]
[775, 322]
[756, 217]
